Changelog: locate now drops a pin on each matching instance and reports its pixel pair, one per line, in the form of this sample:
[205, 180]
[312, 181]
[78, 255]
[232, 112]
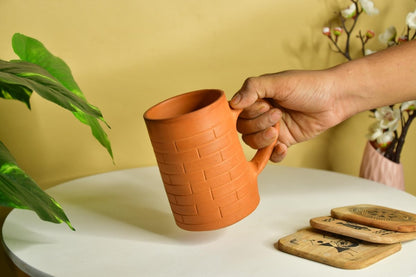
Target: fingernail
[279, 153]
[281, 149]
[274, 157]
[262, 108]
[236, 99]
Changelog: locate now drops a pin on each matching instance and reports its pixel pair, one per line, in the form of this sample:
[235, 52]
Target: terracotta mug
[207, 179]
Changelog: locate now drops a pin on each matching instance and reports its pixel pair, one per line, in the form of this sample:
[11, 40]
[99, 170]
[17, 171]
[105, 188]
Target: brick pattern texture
[207, 179]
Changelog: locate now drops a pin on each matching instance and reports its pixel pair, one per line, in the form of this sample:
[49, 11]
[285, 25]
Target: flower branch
[384, 134]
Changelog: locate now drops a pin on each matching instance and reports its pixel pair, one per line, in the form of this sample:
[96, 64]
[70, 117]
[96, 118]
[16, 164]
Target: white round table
[124, 227]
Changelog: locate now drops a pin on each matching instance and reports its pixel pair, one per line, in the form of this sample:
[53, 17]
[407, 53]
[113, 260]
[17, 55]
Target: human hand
[303, 102]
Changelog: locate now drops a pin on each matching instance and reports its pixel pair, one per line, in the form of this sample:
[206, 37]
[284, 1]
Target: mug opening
[183, 104]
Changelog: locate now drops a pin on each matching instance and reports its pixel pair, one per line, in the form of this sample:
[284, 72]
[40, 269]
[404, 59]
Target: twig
[363, 42]
[400, 143]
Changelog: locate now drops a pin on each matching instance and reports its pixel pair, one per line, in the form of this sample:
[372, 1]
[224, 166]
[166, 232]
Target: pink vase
[376, 167]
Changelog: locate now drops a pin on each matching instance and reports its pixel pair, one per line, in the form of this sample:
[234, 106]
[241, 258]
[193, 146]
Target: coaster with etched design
[335, 250]
[377, 216]
[359, 231]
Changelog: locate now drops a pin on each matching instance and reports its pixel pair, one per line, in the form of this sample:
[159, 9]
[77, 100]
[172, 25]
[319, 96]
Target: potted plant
[40, 71]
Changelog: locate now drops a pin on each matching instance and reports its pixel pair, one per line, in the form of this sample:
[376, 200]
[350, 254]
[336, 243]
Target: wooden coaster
[335, 250]
[377, 216]
[358, 231]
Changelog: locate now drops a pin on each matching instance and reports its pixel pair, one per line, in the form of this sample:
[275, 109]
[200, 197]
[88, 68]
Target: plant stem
[345, 54]
[390, 152]
[348, 32]
[363, 42]
[414, 36]
[400, 142]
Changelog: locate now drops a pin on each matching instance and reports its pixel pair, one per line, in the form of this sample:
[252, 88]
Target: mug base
[226, 221]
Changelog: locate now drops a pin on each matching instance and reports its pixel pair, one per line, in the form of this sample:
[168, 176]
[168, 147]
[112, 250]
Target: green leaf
[34, 78]
[17, 92]
[96, 130]
[32, 50]
[18, 190]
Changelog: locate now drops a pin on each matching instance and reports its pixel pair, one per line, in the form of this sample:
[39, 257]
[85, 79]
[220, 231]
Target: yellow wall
[129, 54]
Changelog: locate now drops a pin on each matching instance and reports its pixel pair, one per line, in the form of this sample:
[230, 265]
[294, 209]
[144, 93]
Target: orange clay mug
[207, 179]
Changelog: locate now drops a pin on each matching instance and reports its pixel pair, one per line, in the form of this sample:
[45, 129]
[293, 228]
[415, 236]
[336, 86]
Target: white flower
[369, 52]
[326, 31]
[385, 139]
[409, 105]
[374, 131]
[388, 117]
[349, 12]
[368, 7]
[411, 20]
[388, 35]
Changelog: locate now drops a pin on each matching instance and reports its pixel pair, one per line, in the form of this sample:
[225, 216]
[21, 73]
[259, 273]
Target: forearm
[381, 79]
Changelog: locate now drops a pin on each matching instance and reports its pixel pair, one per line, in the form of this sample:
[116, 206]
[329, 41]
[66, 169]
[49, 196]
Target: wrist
[351, 88]
[377, 80]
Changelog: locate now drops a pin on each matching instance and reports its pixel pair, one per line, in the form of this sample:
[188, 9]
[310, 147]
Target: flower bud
[370, 34]
[338, 31]
[326, 31]
[408, 106]
[403, 39]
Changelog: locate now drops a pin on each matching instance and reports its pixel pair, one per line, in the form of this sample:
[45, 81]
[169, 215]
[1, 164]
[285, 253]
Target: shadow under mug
[208, 181]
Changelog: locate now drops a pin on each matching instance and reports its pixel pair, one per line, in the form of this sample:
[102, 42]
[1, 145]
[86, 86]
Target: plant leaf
[35, 78]
[15, 91]
[96, 130]
[31, 50]
[18, 190]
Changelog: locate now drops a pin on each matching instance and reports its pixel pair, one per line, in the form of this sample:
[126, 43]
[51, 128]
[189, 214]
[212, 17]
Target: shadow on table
[125, 209]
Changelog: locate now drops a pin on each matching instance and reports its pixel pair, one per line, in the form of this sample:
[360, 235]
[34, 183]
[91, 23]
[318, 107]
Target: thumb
[254, 88]
[246, 96]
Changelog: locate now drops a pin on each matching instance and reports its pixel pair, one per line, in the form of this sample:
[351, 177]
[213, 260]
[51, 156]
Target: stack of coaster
[353, 237]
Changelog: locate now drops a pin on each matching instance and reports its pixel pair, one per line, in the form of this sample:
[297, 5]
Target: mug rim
[148, 113]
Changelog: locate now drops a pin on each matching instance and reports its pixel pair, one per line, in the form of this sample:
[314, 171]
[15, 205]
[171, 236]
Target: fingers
[261, 122]
[258, 108]
[261, 139]
[259, 116]
[279, 152]
[256, 122]
[265, 138]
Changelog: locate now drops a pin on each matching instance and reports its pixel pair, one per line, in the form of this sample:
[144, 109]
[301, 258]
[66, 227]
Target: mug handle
[262, 156]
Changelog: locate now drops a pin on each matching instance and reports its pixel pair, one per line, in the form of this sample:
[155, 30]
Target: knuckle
[259, 124]
[255, 141]
[250, 82]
